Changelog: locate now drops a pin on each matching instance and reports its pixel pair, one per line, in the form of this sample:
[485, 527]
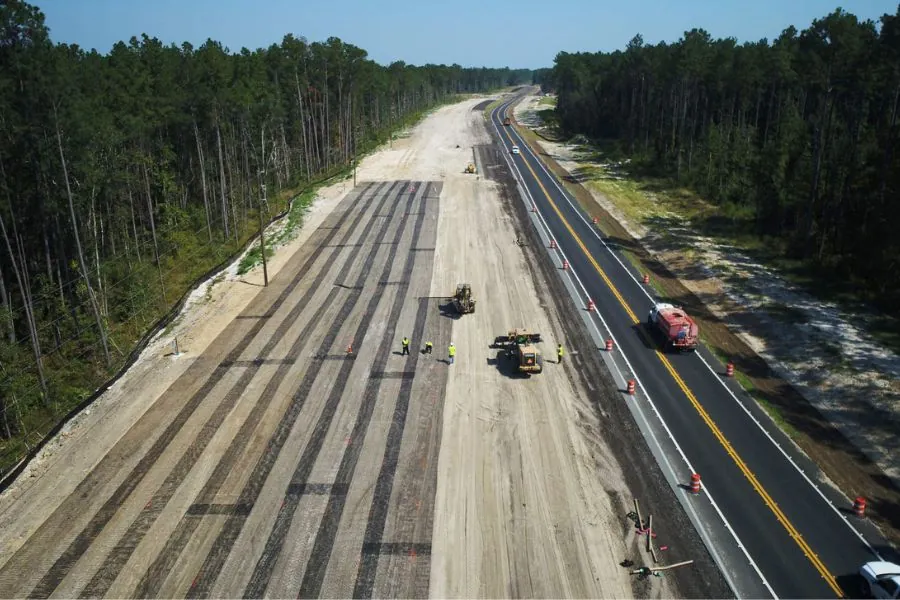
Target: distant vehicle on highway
[515, 149]
[880, 580]
[507, 121]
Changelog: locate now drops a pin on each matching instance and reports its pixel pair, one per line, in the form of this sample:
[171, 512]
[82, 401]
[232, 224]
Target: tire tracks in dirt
[83, 540]
[117, 559]
[378, 512]
[209, 571]
[155, 575]
[325, 538]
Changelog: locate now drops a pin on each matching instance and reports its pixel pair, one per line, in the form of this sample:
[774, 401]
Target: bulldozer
[470, 168]
[519, 345]
[463, 301]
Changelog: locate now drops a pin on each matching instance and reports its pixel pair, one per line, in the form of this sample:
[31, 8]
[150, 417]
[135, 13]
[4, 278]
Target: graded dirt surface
[294, 451]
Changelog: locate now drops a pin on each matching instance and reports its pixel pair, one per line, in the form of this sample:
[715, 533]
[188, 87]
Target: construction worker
[428, 347]
[559, 353]
[405, 343]
[452, 352]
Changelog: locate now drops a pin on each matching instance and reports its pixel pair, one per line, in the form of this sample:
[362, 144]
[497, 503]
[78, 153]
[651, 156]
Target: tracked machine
[519, 345]
[462, 301]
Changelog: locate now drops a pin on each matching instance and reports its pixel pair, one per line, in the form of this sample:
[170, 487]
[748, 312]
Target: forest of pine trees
[798, 137]
[125, 176]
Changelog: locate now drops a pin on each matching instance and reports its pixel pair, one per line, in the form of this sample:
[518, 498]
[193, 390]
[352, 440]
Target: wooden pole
[680, 564]
[650, 544]
[637, 509]
[655, 569]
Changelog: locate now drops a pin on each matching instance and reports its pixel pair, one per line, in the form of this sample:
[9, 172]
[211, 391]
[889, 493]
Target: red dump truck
[679, 330]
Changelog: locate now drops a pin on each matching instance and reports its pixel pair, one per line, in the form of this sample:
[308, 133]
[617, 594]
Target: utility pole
[354, 171]
[263, 202]
[262, 239]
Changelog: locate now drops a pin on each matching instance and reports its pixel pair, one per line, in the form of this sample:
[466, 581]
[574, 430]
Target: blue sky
[495, 33]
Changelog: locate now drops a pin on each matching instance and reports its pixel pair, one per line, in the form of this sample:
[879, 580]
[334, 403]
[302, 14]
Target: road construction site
[292, 449]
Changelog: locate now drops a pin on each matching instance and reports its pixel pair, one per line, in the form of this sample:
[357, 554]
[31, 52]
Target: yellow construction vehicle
[470, 168]
[519, 345]
[463, 301]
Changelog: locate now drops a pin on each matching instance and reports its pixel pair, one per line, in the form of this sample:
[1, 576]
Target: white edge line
[834, 508]
[705, 488]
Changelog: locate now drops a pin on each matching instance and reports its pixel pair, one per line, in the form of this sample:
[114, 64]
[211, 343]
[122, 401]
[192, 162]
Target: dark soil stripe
[202, 510]
[223, 544]
[324, 543]
[396, 548]
[159, 569]
[85, 538]
[258, 583]
[368, 565]
[392, 375]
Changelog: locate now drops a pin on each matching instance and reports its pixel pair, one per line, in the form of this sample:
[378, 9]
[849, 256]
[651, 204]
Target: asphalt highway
[794, 529]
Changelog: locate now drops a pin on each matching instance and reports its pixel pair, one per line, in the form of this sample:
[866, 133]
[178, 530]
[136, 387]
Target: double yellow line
[779, 515]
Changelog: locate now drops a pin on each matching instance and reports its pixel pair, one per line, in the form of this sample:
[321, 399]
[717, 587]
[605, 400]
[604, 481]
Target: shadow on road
[448, 311]
[507, 366]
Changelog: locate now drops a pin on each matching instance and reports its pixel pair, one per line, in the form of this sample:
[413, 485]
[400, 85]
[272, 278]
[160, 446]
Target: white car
[515, 149]
[880, 580]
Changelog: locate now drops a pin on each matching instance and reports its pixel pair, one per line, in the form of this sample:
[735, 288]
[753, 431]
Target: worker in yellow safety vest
[428, 347]
[452, 352]
[405, 343]
[559, 353]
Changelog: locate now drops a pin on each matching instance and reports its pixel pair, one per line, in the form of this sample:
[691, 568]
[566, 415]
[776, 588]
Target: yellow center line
[729, 449]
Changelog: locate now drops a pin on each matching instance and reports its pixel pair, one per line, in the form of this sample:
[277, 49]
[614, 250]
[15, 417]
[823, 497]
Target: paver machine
[519, 345]
[462, 301]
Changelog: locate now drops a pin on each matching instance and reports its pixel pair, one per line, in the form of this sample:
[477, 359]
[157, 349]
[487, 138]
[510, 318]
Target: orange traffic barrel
[631, 387]
[565, 265]
[590, 305]
[859, 507]
[609, 345]
[553, 243]
[729, 369]
[695, 483]
[646, 278]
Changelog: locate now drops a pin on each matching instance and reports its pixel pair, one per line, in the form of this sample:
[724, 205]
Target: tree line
[124, 176]
[797, 138]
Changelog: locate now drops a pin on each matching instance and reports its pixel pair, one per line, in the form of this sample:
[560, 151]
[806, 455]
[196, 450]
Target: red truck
[679, 330]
